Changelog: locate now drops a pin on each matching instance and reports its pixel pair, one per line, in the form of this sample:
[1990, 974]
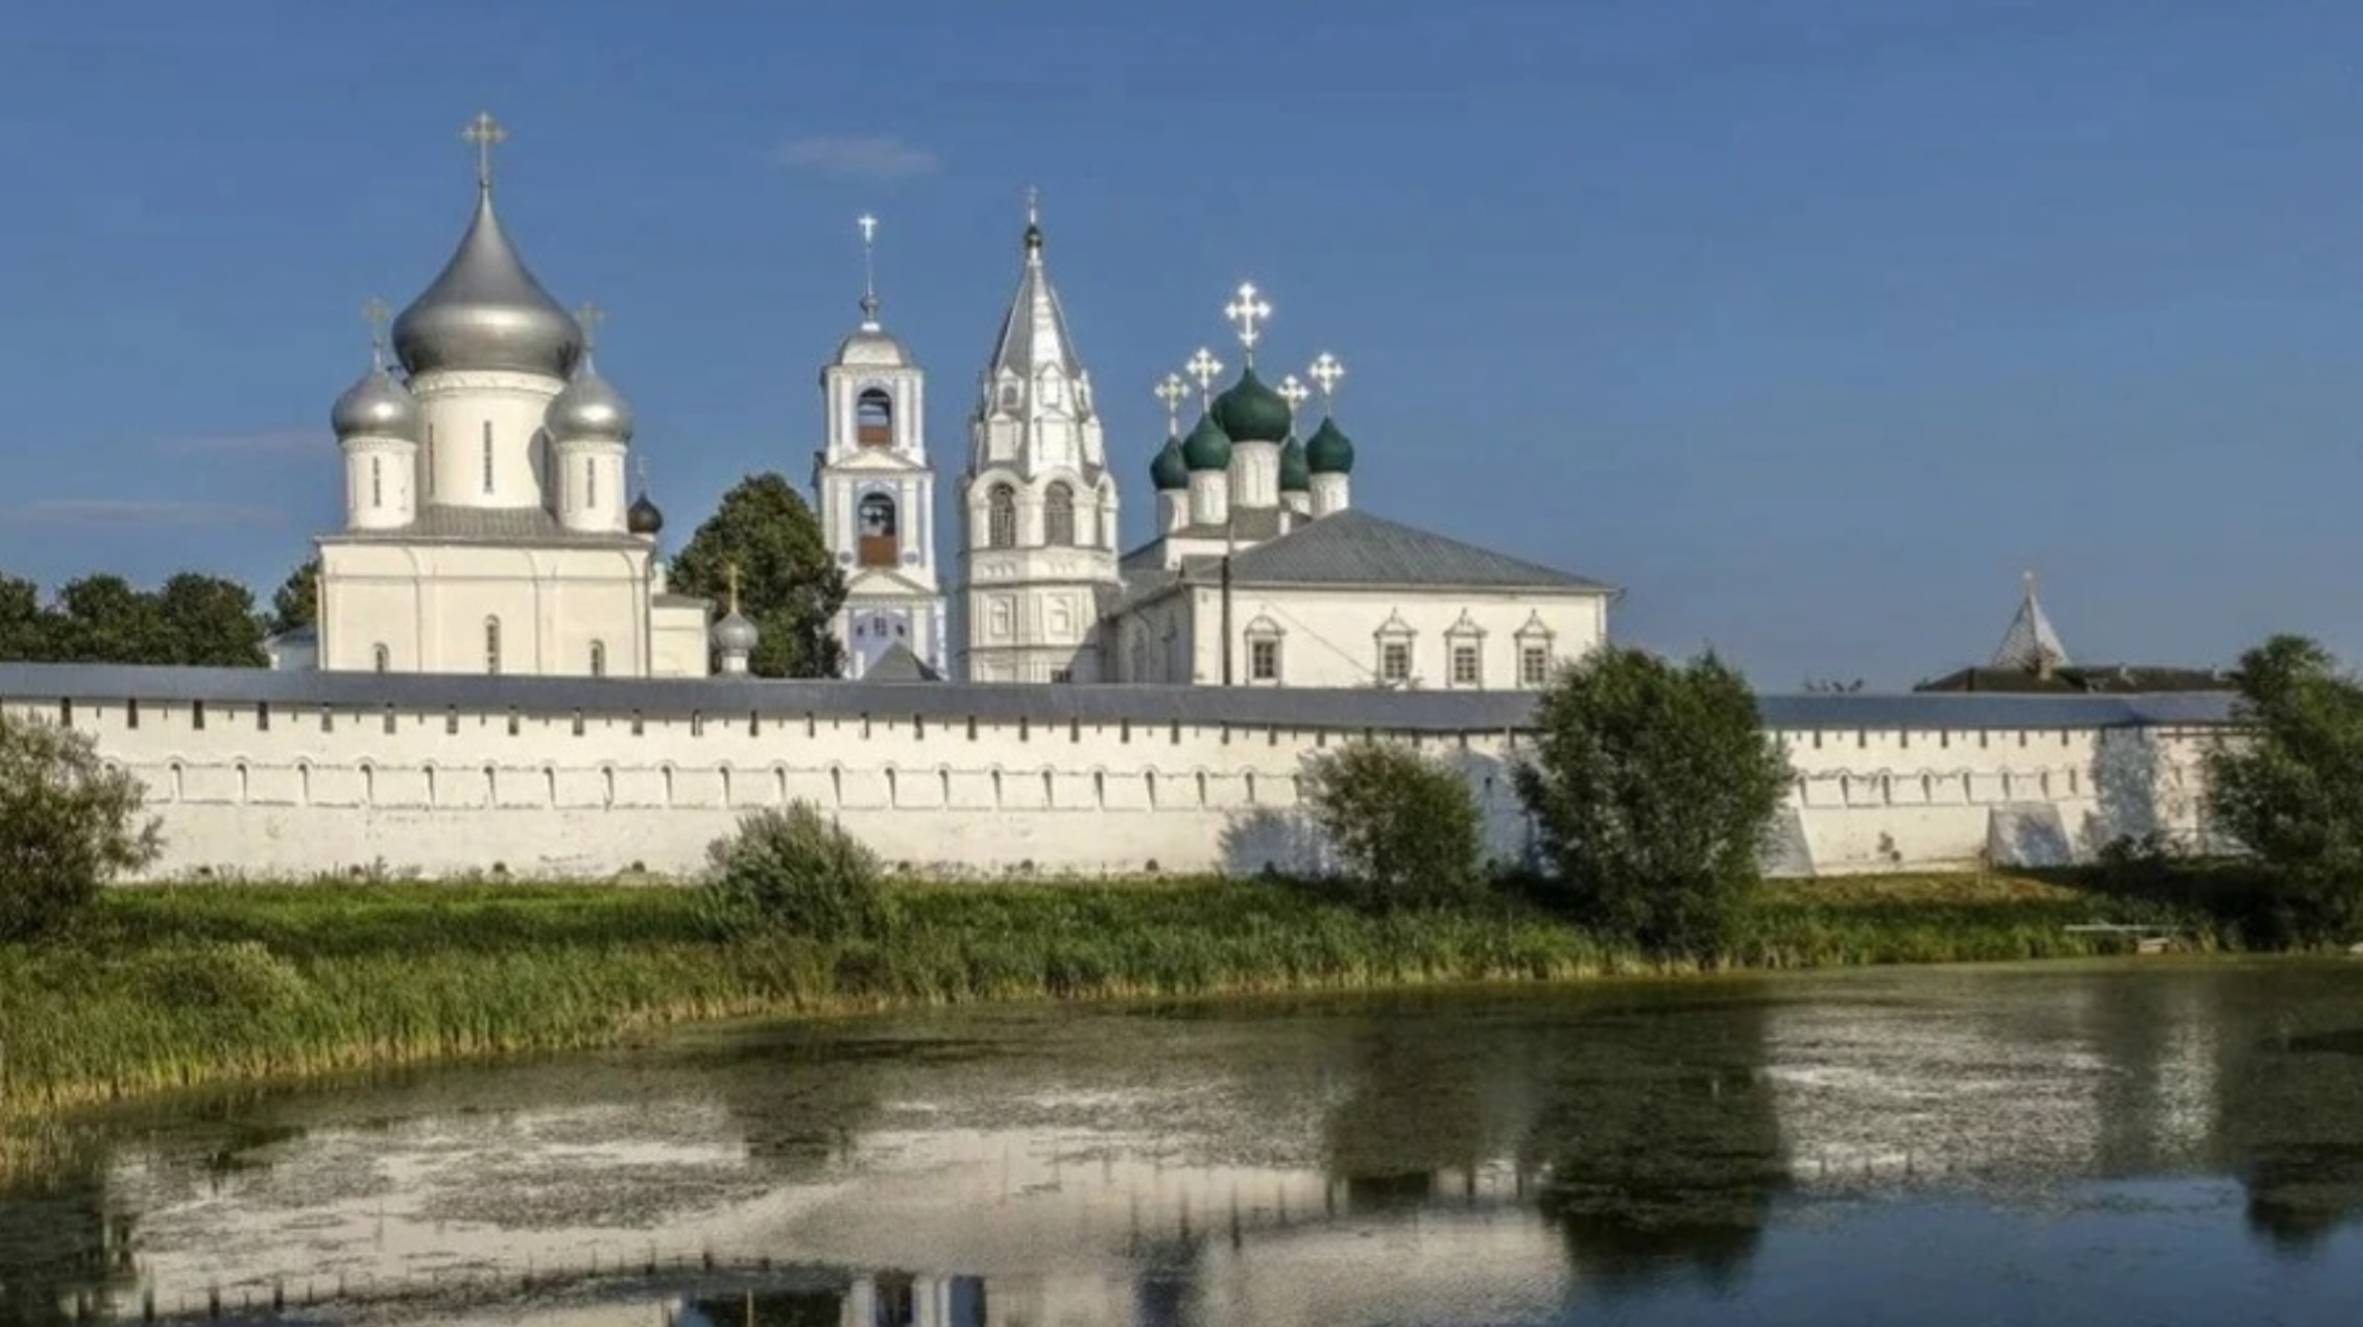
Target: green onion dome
[1207, 447]
[1252, 412]
[1169, 471]
[1296, 476]
[1329, 453]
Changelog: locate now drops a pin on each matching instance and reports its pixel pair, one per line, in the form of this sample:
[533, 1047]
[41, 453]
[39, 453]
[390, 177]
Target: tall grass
[166, 987]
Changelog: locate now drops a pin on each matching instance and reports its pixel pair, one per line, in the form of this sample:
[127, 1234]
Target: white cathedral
[489, 527]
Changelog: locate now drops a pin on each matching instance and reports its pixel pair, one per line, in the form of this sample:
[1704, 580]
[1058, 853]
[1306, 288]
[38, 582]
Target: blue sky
[1810, 324]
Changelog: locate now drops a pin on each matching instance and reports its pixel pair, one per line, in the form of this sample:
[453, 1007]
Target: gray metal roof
[1034, 331]
[1431, 711]
[898, 664]
[440, 524]
[1354, 547]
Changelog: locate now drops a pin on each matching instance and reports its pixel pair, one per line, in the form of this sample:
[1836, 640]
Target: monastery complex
[500, 672]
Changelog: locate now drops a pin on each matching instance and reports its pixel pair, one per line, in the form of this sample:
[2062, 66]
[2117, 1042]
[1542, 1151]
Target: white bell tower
[876, 493]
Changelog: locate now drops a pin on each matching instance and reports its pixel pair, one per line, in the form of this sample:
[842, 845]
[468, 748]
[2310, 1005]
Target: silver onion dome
[376, 406]
[486, 312]
[734, 634]
[590, 408]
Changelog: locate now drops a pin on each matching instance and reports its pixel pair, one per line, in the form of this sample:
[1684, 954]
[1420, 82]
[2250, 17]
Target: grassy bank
[164, 987]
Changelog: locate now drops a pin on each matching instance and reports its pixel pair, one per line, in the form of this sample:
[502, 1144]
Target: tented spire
[2031, 646]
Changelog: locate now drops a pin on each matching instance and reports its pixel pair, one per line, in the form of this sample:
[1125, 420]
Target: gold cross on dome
[1204, 367]
[1293, 390]
[484, 131]
[1172, 391]
[1326, 373]
[590, 316]
[1248, 309]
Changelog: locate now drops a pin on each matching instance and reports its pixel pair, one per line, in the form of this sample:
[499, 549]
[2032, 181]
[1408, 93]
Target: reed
[174, 986]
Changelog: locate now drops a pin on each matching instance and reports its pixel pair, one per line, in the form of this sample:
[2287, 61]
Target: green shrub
[211, 974]
[68, 824]
[1653, 788]
[797, 871]
[1403, 827]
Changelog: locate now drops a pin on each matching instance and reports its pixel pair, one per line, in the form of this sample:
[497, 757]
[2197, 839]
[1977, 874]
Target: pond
[2169, 1141]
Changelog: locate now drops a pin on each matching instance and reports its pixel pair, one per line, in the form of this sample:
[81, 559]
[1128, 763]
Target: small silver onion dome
[735, 634]
[644, 517]
[486, 312]
[589, 409]
[376, 406]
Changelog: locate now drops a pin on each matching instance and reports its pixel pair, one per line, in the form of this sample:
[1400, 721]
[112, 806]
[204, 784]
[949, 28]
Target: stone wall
[308, 780]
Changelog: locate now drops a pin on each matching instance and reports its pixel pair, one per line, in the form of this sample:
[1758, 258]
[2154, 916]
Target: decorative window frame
[1536, 635]
[1264, 631]
[1464, 634]
[1395, 631]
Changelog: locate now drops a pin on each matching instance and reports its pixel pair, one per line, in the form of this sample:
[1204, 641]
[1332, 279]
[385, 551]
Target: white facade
[876, 497]
[548, 777]
[1322, 636]
[1038, 507]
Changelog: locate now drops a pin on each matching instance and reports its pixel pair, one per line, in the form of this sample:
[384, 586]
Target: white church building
[488, 527]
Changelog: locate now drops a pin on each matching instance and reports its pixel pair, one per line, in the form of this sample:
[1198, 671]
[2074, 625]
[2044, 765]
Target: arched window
[377, 482]
[1058, 516]
[492, 645]
[873, 419]
[875, 515]
[1001, 517]
[488, 456]
[382, 657]
[590, 481]
[598, 658]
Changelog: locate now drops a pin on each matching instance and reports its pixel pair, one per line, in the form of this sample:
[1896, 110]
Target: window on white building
[381, 657]
[873, 419]
[590, 481]
[377, 482]
[1394, 661]
[492, 645]
[1001, 517]
[1534, 665]
[488, 456]
[1058, 516]
[598, 658]
[430, 460]
[1465, 671]
[1263, 660]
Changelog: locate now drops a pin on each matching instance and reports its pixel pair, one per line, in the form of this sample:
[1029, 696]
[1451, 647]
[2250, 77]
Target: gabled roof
[1353, 547]
[898, 664]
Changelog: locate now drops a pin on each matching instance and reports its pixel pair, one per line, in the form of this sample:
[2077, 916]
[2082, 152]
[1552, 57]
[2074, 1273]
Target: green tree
[1403, 827]
[2289, 784]
[1653, 787]
[296, 603]
[210, 621]
[103, 618]
[24, 627]
[68, 824]
[789, 587]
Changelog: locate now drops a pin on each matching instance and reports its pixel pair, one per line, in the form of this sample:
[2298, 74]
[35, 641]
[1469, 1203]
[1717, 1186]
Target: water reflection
[1515, 1156]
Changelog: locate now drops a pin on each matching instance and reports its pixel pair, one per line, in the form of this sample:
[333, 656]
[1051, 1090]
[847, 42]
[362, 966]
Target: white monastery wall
[298, 789]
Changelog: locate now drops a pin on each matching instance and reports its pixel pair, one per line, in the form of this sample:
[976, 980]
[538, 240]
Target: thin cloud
[117, 512]
[263, 442]
[858, 156]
